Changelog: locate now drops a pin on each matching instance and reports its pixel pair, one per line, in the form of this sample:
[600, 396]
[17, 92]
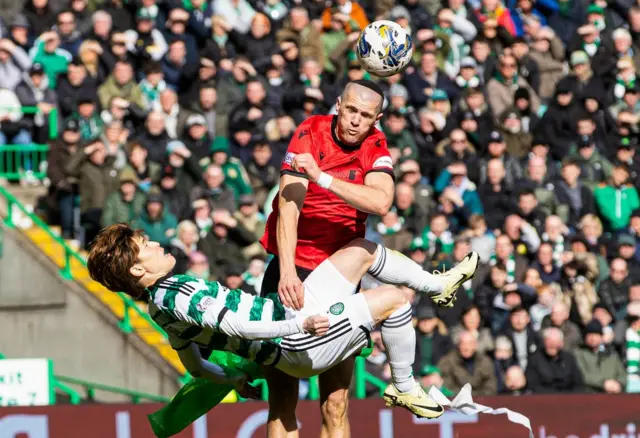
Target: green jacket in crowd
[597, 367]
[616, 204]
[117, 210]
[235, 175]
[160, 230]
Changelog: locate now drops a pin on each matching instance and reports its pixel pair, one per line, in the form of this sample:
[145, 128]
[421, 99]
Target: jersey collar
[336, 140]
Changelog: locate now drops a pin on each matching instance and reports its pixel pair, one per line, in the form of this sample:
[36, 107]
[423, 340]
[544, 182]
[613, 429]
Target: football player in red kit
[337, 170]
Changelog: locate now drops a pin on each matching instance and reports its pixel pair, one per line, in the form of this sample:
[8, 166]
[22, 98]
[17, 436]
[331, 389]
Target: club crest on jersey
[288, 159]
[383, 162]
[204, 304]
[336, 309]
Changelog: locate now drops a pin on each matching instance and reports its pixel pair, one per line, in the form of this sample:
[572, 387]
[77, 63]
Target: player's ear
[338, 104]
[137, 270]
[379, 116]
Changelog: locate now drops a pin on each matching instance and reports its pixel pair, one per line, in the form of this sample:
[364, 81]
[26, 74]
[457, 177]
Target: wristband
[325, 180]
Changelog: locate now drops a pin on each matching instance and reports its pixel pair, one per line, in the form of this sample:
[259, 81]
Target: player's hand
[316, 325]
[307, 164]
[291, 291]
[245, 390]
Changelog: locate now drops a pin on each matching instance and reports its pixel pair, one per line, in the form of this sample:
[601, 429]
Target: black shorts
[272, 277]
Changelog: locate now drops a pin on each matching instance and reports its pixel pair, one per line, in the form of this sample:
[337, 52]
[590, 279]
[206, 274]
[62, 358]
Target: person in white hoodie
[11, 132]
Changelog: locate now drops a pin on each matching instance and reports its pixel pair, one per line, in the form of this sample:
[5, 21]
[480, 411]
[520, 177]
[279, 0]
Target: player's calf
[390, 306]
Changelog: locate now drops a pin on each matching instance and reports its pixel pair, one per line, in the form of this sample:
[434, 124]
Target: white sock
[392, 267]
[399, 338]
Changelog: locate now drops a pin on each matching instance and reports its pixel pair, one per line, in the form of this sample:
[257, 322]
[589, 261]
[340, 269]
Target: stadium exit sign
[26, 382]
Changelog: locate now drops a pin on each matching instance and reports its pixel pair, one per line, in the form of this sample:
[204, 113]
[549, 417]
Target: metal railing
[361, 377]
[90, 389]
[16, 158]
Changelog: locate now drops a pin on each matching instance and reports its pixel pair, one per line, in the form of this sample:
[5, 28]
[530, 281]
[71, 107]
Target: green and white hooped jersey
[190, 309]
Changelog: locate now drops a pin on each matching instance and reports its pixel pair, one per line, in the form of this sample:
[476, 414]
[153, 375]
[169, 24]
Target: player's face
[152, 259]
[356, 117]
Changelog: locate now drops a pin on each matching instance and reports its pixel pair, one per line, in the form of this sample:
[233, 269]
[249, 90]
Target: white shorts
[350, 322]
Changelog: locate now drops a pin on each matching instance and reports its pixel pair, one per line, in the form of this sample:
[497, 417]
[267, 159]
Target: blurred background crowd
[513, 133]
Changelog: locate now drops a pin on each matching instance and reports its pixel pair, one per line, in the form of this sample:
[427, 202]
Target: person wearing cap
[626, 154]
[601, 367]
[558, 123]
[63, 188]
[501, 88]
[263, 174]
[595, 168]
[466, 365]
[235, 175]
[157, 223]
[89, 120]
[195, 135]
[510, 172]
[468, 77]
[235, 279]
[13, 62]
[18, 33]
[145, 41]
[124, 205]
[35, 90]
[627, 245]
[617, 200]
[432, 338]
[97, 177]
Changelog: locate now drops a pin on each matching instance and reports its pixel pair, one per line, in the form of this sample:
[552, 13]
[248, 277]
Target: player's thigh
[334, 387]
[283, 391]
[326, 285]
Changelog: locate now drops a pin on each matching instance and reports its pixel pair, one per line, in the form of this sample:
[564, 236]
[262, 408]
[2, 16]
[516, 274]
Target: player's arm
[375, 196]
[293, 190]
[198, 367]
[232, 325]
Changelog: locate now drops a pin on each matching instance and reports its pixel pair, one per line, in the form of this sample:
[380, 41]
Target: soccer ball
[384, 48]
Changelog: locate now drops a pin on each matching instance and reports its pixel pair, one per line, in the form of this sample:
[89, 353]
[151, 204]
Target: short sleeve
[300, 143]
[378, 156]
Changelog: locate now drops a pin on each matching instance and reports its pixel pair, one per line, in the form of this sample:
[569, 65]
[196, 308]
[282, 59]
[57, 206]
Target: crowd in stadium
[513, 133]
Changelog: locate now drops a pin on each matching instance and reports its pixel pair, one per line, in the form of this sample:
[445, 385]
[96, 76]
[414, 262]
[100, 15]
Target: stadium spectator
[183, 245]
[432, 339]
[559, 318]
[602, 368]
[156, 222]
[126, 204]
[552, 369]
[13, 62]
[524, 340]
[466, 365]
[503, 360]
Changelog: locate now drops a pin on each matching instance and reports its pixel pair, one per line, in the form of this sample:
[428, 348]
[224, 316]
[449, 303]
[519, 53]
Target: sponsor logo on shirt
[204, 303]
[288, 159]
[383, 162]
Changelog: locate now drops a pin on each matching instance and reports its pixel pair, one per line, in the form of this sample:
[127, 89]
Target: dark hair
[112, 254]
[152, 67]
[526, 191]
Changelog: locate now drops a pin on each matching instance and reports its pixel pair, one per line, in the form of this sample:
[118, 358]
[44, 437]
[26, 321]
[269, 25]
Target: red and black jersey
[327, 223]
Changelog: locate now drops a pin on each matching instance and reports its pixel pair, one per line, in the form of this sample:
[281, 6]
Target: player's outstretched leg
[389, 305]
[393, 267]
[362, 256]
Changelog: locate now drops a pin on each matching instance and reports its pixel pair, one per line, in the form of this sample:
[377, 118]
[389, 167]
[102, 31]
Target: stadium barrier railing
[362, 378]
[14, 157]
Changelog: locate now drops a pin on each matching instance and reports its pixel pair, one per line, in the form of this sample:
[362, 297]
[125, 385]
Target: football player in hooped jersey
[336, 171]
[333, 324]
